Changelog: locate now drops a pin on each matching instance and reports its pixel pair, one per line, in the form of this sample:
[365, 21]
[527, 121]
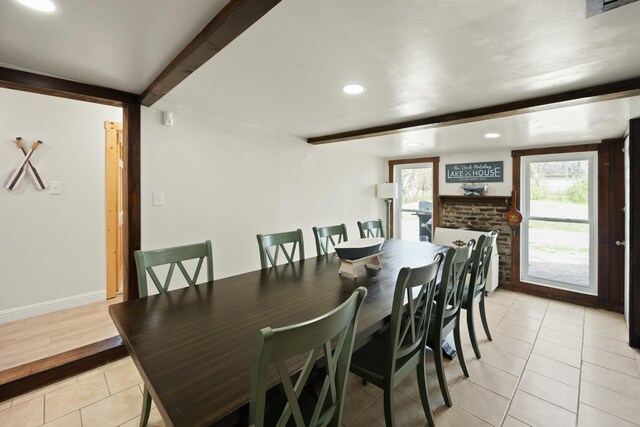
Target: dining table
[194, 346]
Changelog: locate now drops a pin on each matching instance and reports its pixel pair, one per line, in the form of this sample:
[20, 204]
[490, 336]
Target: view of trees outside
[559, 251]
[417, 186]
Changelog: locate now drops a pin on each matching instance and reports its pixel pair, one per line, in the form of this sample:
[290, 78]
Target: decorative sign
[475, 172]
[26, 167]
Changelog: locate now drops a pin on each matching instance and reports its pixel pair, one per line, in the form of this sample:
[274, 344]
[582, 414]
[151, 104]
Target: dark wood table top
[194, 346]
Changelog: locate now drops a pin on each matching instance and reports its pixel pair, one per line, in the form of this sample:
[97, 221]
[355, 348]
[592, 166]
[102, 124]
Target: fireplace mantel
[490, 200]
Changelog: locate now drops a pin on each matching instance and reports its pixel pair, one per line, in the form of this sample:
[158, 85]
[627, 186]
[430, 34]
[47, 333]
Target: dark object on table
[474, 189]
[356, 249]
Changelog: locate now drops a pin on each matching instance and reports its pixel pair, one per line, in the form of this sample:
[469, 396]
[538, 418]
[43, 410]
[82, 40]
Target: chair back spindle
[313, 338]
[146, 260]
[326, 237]
[267, 241]
[372, 228]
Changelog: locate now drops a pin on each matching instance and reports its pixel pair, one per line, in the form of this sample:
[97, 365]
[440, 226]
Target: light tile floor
[550, 364]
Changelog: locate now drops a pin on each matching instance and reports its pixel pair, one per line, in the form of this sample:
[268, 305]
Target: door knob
[619, 243]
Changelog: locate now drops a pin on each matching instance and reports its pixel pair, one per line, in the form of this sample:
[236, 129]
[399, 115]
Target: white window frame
[397, 177]
[592, 158]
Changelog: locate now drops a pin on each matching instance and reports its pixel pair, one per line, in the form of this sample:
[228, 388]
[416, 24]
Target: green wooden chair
[312, 338]
[394, 354]
[146, 260]
[325, 235]
[475, 289]
[266, 241]
[371, 228]
[447, 311]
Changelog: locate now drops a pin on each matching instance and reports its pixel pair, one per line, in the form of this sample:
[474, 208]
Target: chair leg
[146, 407]
[424, 393]
[456, 336]
[472, 330]
[442, 379]
[364, 382]
[389, 412]
[483, 316]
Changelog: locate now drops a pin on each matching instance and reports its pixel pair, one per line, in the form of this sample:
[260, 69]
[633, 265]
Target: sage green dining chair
[146, 260]
[325, 235]
[446, 316]
[311, 340]
[268, 241]
[475, 288]
[372, 228]
[391, 356]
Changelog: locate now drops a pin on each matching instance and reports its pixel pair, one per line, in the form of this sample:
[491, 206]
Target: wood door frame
[129, 102]
[436, 186]
[634, 233]
[57, 367]
[530, 288]
[610, 224]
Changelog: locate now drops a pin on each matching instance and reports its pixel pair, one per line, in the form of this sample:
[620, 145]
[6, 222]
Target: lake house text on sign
[475, 172]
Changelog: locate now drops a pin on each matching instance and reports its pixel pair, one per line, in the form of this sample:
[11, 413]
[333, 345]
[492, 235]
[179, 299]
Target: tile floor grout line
[584, 318]
[515, 390]
[611, 415]
[608, 352]
[612, 391]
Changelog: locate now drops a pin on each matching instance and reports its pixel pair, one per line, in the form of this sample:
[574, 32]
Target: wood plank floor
[37, 337]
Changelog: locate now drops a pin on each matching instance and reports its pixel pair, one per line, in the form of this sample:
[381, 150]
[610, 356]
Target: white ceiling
[416, 58]
[121, 44]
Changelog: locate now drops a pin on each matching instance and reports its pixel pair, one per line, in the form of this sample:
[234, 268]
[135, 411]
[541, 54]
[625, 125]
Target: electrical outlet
[55, 187]
[158, 198]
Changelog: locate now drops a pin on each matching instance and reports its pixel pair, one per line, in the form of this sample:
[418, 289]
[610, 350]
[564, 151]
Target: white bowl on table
[359, 248]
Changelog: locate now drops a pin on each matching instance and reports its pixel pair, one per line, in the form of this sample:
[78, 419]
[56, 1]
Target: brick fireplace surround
[483, 213]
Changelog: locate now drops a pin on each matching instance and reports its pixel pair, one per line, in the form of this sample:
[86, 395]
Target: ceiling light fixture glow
[413, 144]
[40, 5]
[353, 89]
[492, 135]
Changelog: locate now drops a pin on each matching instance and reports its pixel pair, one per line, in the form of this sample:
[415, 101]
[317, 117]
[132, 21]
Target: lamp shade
[387, 191]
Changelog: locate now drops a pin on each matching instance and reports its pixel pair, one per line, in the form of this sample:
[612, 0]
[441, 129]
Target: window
[559, 227]
[414, 206]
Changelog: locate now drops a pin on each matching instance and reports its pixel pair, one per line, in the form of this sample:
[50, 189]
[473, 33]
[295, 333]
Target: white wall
[227, 181]
[53, 247]
[495, 188]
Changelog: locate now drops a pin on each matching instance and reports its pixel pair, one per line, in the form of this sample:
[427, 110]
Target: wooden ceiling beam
[54, 86]
[235, 18]
[604, 92]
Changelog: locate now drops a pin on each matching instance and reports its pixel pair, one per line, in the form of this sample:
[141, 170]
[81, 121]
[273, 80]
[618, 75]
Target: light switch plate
[55, 187]
[158, 198]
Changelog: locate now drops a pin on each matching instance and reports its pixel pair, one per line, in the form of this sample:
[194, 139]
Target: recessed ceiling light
[413, 144]
[492, 135]
[353, 89]
[39, 5]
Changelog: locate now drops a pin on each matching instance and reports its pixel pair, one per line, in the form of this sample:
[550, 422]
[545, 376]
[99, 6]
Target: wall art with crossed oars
[25, 167]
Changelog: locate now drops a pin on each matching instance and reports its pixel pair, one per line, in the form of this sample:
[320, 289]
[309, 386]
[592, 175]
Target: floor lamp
[387, 191]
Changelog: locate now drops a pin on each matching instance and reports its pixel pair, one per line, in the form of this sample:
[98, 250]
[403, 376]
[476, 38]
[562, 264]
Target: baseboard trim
[45, 307]
[553, 293]
[30, 376]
